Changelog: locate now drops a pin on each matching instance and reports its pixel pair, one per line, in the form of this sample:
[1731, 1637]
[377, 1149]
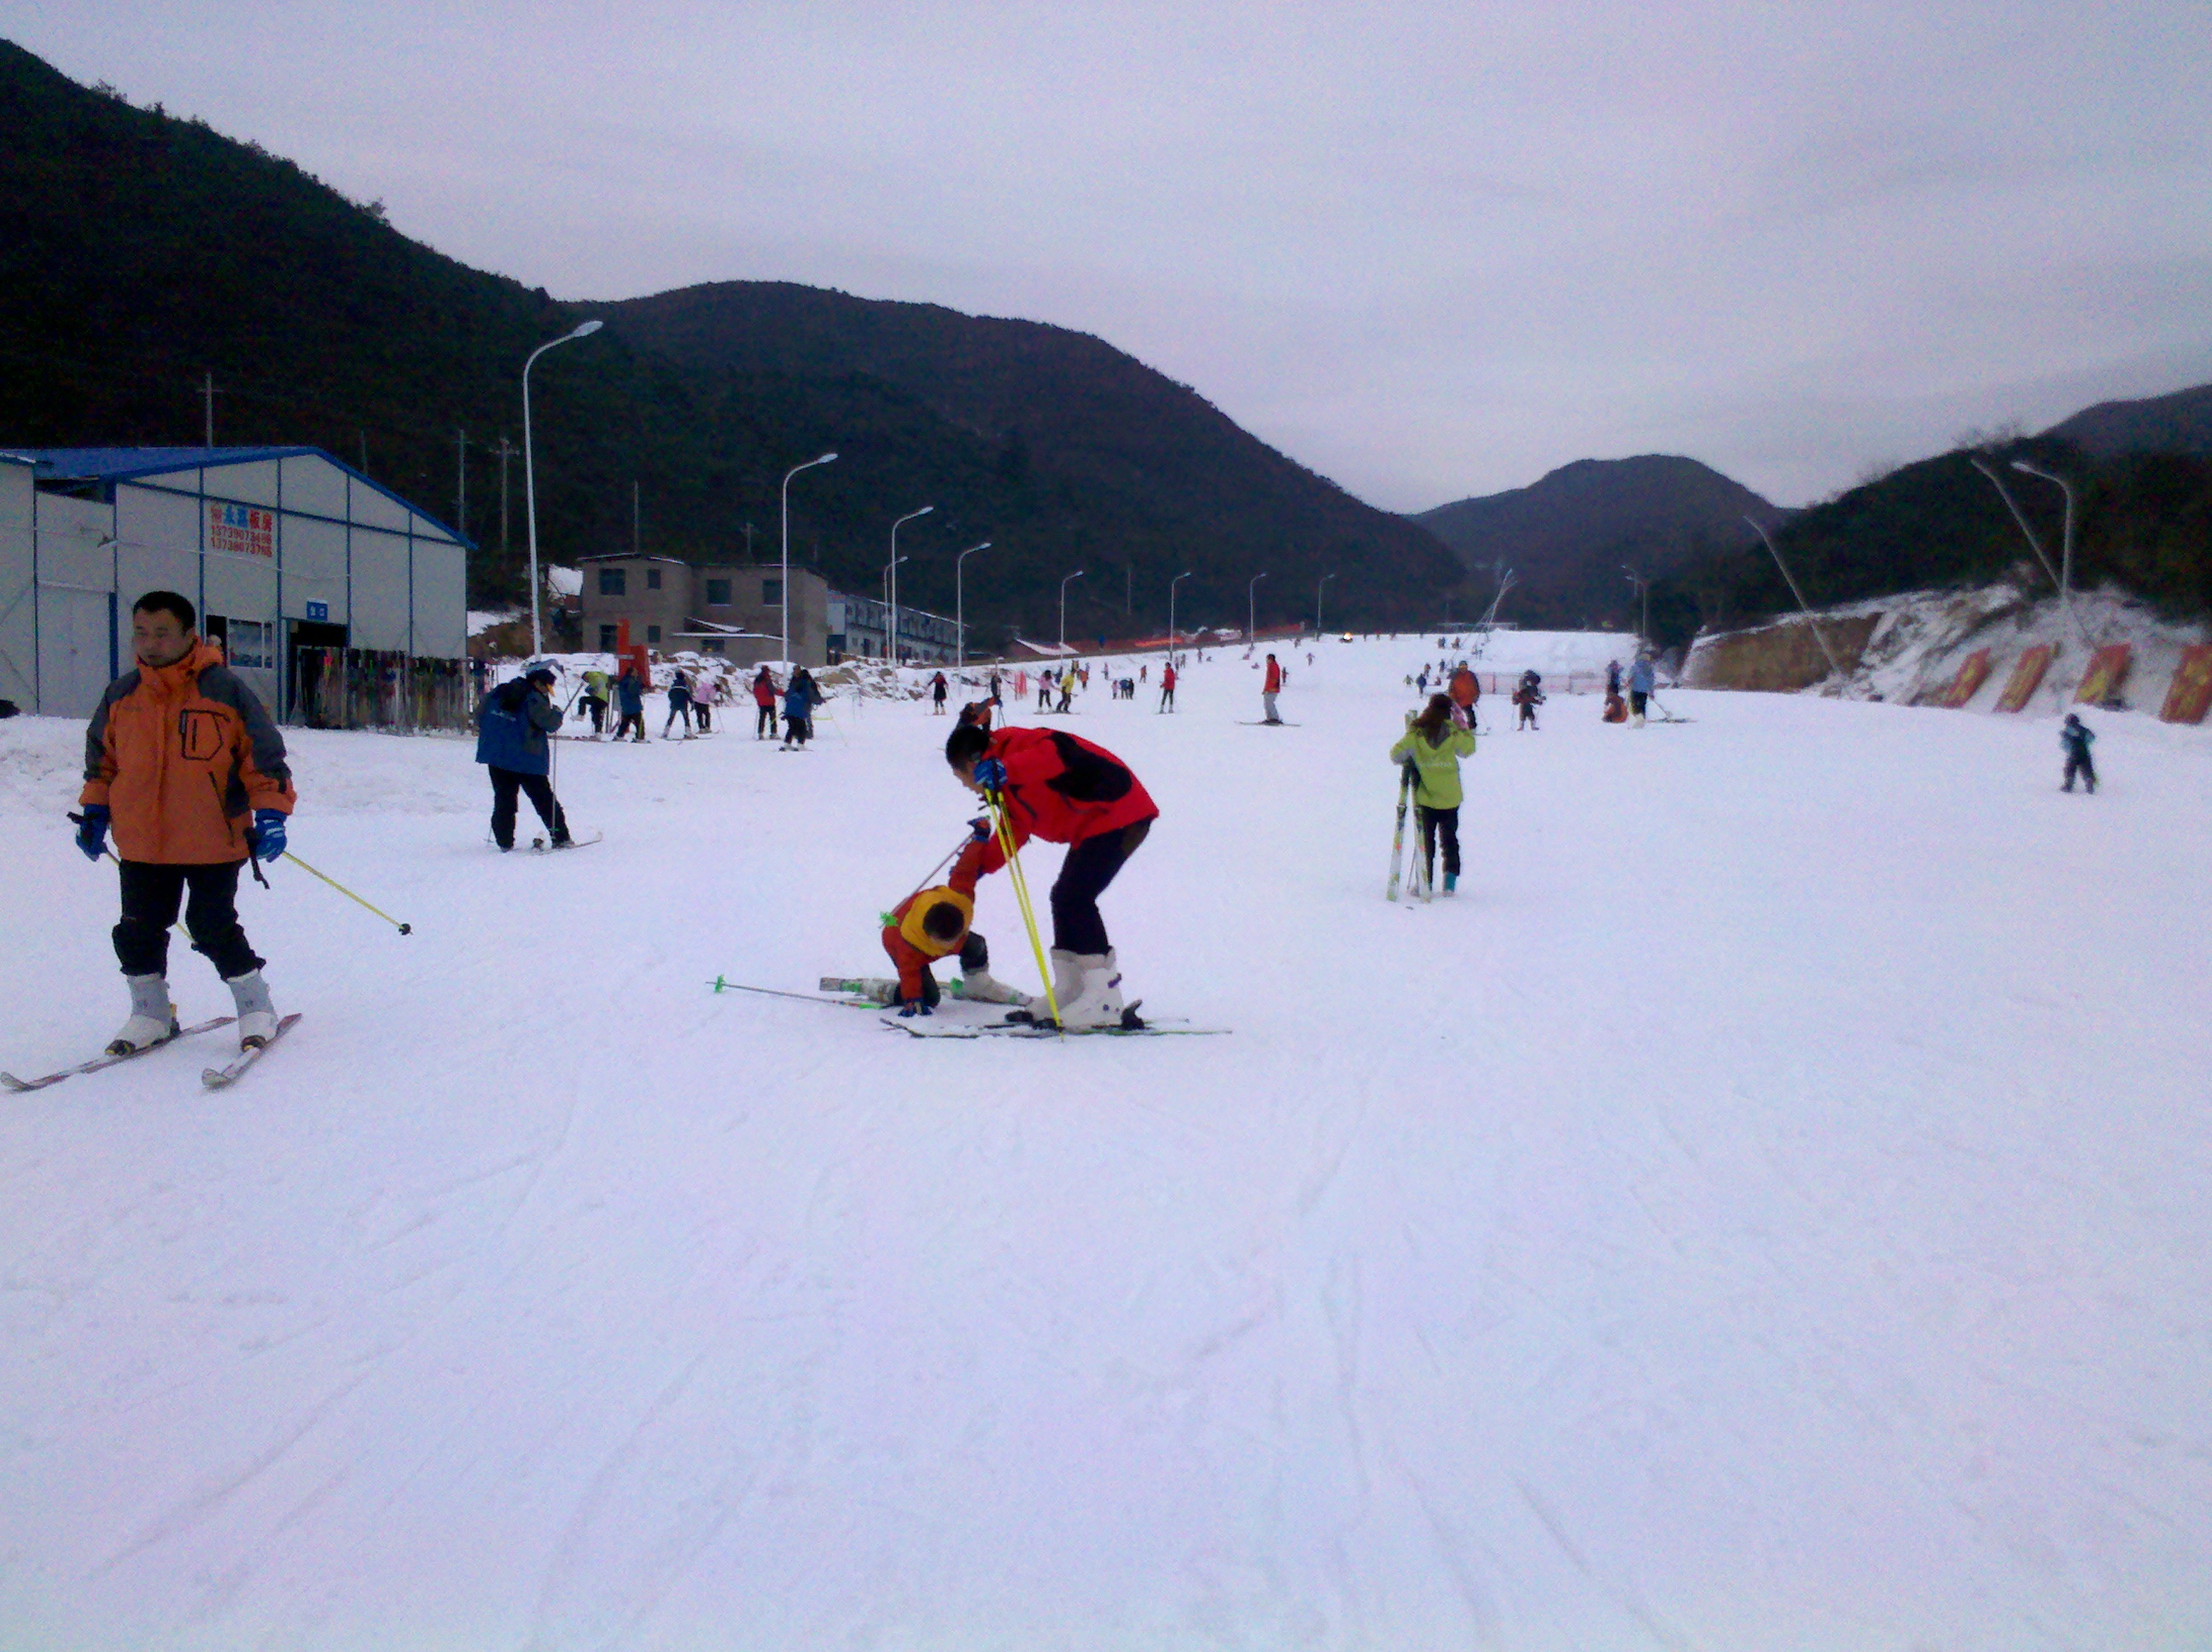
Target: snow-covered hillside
[1768, 1208]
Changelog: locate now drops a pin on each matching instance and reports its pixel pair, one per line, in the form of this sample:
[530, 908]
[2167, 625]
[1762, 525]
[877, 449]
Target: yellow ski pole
[1014, 876]
[404, 929]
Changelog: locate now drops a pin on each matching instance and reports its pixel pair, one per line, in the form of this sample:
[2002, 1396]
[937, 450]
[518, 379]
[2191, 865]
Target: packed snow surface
[1767, 1208]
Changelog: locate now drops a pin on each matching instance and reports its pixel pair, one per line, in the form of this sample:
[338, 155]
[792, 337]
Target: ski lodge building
[338, 601]
[736, 610]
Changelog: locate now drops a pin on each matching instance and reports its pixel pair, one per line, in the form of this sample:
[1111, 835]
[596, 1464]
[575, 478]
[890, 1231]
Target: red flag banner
[2190, 695]
[2026, 672]
[1974, 671]
[2108, 669]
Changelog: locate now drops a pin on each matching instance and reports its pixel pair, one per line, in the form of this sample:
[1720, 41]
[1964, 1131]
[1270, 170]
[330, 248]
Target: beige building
[733, 610]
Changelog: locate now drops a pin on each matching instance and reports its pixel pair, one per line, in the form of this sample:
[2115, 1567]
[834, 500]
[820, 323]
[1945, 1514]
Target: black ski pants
[1090, 866]
[151, 893]
[598, 707]
[2079, 763]
[631, 720]
[682, 708]
[1167, 699]
[505, 784]
[763, 721]
[1436, 823]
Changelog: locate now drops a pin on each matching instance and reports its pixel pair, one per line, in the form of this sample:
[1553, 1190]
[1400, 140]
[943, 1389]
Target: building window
[717, 594]
[613, 582]
[714, 645]
[607, 635]
[771, 591]
[653, 634]
[653, 578]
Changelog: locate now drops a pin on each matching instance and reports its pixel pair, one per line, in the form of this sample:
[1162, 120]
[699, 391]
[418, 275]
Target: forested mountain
[139, 252]
[1568, 536]
[2178, 423]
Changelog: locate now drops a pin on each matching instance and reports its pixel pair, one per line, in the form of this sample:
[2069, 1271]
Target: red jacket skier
[1064, 789]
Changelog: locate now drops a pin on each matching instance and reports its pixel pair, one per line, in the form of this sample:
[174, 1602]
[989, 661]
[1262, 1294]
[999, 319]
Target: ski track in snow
[1767, 1207]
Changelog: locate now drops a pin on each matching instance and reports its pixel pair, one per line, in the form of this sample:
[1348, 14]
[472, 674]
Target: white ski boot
[153, 1017]
[257, 1017]
[977, 982]
[1097, 1000]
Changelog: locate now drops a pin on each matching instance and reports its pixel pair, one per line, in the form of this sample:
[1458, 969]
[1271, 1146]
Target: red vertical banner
[1974, 671]
[2190, 695]
[2108, 669]
[2026, 672]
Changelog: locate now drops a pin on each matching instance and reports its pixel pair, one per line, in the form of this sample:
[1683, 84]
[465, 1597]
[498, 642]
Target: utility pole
[506, 450]
[208, 394]
[461, 492]
[1128, 588]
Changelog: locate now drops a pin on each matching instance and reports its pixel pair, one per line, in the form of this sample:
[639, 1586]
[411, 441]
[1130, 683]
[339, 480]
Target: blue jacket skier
[513, 729]
[2075, 739]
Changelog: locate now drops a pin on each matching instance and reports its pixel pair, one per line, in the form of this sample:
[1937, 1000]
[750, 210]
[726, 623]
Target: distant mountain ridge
[1567, 535]
[2180, 422]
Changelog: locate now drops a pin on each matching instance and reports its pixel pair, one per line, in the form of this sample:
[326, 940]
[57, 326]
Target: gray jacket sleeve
[266, 745]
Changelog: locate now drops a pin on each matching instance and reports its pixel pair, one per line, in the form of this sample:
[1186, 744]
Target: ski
[105, 1060]
[1398, 840]
[540, 846]
[232, 1070]
[1280, 722]
[931, 1027]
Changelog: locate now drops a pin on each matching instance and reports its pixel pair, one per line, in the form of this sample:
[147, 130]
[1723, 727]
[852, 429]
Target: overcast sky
[1429, 251]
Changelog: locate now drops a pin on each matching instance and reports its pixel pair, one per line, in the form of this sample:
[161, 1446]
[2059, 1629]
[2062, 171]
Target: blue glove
[990, 773]
[980, 826]
[907, 1011]
[266, 839]
[92, 830]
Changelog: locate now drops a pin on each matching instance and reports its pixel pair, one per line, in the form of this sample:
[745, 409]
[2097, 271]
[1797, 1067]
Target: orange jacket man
[183, 761]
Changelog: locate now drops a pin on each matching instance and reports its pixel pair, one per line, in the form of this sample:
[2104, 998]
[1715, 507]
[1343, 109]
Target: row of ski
[214, 1078]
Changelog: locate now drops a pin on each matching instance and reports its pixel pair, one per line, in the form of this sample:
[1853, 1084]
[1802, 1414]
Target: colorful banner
[2108, 669]
[2190, 695]
[1974, 671]
[240, 531]
[2027, 673]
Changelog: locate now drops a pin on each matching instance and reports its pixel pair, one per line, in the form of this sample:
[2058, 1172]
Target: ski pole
[404, 929]
[1014, 876]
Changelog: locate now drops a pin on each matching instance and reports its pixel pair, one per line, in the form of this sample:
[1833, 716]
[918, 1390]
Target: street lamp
[2066, 556]
[960, 598]
[1252, 609]
[1172, 584]
[891, 634]
[786, 586]
[889, 577]
[1643, 585]
[1063, 608]
[583, 330]
[1318, 589]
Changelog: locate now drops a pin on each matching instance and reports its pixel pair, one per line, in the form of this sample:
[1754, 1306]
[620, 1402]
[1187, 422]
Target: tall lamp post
[1063, 608]
[1252, 609]
[890, 639]
[583, 330]
[1318, 589]
[1172, 584]
[2066, 555]
[960, 599]
[890, 579]
[1643, 587]
[785, 583]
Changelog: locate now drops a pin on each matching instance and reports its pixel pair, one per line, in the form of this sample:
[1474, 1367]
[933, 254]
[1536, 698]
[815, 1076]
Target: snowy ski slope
[1768, 1209]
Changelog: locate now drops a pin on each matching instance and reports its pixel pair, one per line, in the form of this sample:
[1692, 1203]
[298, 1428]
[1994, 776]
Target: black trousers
[675, 712]
[629, 720]
[1090, 866]
[706, 716]
[763, 721]
[796, 730]
[505, 783]
[1436, 822]
[2079, 765]
[1636, 699]
[151, 893]
[599, 710]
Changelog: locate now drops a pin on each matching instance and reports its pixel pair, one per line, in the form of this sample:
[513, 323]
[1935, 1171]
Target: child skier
[1528, 696]
[1465, 691]
[932, 924]
[2075, 739]
[1434, 743]
[1065, 790]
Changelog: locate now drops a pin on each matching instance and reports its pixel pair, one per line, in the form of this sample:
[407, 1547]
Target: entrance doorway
[317, 650]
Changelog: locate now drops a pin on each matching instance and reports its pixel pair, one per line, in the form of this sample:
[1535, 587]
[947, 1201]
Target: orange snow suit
[182, 757]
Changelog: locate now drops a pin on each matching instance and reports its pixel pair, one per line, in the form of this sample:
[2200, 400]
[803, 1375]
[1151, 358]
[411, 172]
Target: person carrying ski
[1641, 680]
[932, 924]
[764, 704]
[182, 761]
[2075, 739]
[1270, 686]
[512, 729]
[1166, 686]
[938, 689]
[679, 705]
[1434, 743]
[1063, 789]
[630, 701]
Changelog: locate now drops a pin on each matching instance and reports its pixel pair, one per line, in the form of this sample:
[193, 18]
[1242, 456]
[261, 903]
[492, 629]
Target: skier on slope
[679, 705]
[1270, 686]
[1612, 677]
[932, 924]
[1465, 692]
[2075, 739]
[1166, 686]
[764, 704]
[706, 695]
[630, 702]
[800, 696]
[1528, 696]
[1063, 789]
[181, 760]
[1434, 743]
[512, 726]
[595, 701]
[938, 689]
[1641, 680]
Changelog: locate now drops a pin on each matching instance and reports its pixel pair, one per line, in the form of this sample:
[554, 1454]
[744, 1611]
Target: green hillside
[139, 252]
